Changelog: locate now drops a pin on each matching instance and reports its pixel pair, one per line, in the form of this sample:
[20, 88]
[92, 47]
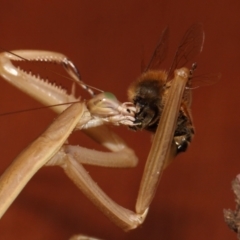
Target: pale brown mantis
[50, 148]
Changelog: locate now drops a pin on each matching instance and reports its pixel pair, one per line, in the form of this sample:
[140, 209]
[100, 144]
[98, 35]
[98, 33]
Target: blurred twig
[232, 218]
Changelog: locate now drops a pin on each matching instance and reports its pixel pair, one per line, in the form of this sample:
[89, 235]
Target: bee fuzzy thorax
[148, 84]
[148, 95]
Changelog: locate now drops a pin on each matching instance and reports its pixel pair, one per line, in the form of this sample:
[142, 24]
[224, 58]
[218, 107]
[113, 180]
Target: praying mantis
[92, 117]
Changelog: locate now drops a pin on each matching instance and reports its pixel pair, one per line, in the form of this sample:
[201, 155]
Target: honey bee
[149, 92]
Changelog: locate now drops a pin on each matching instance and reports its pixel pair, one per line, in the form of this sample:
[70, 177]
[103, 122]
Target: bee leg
[184, 132]
[181, 143]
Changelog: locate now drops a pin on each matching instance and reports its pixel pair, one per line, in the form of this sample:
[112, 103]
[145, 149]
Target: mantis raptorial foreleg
[163, 149]
[38, 154]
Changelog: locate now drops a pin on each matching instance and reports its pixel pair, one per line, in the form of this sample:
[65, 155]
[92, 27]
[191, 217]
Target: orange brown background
[105, 39]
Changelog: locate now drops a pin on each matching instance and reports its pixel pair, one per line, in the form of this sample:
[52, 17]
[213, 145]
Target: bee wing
[205, 80]
[160, 51]
[190, 45]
